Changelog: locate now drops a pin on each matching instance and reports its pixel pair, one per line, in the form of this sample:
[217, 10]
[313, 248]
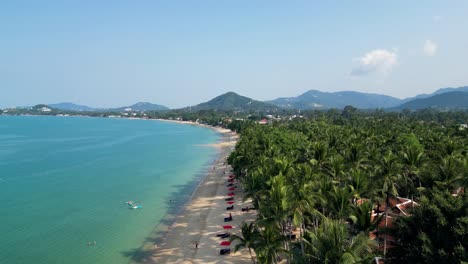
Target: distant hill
[442, 101]
[71, 107]
[141, 106]
[314, 99]
[439, 91]
[233, 102]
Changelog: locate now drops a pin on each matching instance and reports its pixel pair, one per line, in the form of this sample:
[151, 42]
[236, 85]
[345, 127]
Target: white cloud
[375, 61]
[429, 48]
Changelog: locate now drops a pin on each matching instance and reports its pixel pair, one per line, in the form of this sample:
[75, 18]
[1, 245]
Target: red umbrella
[225, 243]
[232, 189]
[231, 176]
[227, 226]
[231, 202]
[230, 194]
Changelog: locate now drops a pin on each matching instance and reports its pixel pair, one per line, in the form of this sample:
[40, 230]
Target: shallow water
[64, 181]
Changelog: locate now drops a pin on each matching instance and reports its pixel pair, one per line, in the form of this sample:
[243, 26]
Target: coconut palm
[388, 174]
[361, 217]
[248, 238]
[331, 243]
[339, 201]
[270, 245]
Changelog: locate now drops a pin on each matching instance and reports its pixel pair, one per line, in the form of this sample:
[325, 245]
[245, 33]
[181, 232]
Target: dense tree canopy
[307, 174]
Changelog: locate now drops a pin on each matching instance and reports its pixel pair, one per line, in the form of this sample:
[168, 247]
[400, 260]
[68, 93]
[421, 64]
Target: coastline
[173, 239]
[200, 218]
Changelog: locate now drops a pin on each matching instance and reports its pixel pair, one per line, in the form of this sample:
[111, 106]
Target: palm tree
[413, 162]
[331, 243]
[450, 173]
[248, 238]
[339, 201]
[270, 245]
[361, 217]
[254, 185]
[336, 166]
[301, 200]
[388, 172]
[360, 183]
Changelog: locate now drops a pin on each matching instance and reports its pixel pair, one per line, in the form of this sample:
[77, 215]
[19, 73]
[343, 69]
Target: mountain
[439, 91]
[71, 107]
[442, 101]
[141, 106]
[314, 99]
[233, 102]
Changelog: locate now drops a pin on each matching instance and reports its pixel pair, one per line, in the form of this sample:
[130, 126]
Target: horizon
[127, 105]
[181, 54]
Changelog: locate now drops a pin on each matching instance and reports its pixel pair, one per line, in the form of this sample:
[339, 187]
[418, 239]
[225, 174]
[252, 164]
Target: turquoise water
[64, 181]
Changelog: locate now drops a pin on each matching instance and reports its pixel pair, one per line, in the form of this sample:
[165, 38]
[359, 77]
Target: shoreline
[198, 219]
[191, 235]
[173, 239]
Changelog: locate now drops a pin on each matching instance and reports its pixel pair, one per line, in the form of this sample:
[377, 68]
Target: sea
[65, 181]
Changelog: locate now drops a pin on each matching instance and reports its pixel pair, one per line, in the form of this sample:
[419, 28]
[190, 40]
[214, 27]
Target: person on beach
[196, 244]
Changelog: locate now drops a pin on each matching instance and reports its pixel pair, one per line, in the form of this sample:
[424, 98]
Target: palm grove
[309, 174]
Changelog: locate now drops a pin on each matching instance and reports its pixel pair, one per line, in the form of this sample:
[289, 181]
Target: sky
[178, 53]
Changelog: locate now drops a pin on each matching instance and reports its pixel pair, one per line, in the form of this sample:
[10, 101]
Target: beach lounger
[223, 234]
[229, 199]
[227, 219]
[225, 251]
[230, 207]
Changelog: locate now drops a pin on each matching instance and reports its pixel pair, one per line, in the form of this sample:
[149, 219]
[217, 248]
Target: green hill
[449, 100]
[233, 102]
[314, 99]
[141, 107]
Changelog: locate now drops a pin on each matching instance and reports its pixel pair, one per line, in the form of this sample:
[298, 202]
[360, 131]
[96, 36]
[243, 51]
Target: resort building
[45, 109]
[397, 207]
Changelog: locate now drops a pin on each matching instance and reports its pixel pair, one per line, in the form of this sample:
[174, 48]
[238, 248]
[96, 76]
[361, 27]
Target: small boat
[133, 205]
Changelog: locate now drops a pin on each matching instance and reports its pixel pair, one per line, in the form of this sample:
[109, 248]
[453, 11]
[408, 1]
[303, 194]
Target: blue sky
[178, 53]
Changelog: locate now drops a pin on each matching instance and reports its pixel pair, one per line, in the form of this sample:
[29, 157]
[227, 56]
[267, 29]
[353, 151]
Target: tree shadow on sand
[139, 255]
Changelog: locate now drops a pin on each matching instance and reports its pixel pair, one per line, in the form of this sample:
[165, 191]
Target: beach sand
[202, 218]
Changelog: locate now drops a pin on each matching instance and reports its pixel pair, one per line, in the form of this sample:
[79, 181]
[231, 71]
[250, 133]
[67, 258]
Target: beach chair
[223, 235]
[225, 251]
[230, 207]
[227, 219]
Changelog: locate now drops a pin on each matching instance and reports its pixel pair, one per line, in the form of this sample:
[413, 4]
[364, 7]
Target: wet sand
[191, 238]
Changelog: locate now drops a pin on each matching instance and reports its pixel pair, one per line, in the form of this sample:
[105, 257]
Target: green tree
[248, 238]
[331, 243]
[436, 232]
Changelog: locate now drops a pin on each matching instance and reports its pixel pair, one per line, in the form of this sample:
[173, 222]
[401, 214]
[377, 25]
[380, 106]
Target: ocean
[64, 182]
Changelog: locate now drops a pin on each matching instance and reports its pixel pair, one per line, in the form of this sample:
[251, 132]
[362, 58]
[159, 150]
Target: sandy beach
[191, 235]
